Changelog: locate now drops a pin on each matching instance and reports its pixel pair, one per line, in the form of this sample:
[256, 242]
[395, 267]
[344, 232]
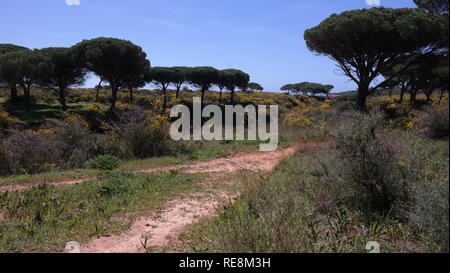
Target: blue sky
[264, 38]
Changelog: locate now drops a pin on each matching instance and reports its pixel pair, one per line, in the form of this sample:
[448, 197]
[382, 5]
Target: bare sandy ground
[29, 185]
[161, 227]
[164, 226]
[254, 161]
[251, 161]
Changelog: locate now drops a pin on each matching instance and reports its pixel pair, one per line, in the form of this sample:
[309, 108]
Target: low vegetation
[367, 182]
[103, 162]
[43, 218]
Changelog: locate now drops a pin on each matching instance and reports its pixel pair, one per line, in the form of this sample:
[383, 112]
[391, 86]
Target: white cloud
[373, 2]
[73, 2]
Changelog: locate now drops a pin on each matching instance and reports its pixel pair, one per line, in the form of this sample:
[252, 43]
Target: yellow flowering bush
[324, 106]
[158, 122]
[296, 101]
[80, 96]
[124, 106]
[296, 118]
[74, 117]
[158, 103]
[174, 100]
[392, 106]
[244, 97]
[301, 122]
[86, 97]
[96, 107]
[102, 98]
[381, 100]
[308, 109]
[410, 125]
[40, 132]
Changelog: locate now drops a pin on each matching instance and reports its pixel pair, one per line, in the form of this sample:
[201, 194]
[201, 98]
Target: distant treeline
[120, 63]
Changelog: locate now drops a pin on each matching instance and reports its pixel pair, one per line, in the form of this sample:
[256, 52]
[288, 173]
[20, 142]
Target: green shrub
[5, 168]
[430, 213]
[103, 162]
[397, 111]
[368, 184]
[426, 170]
[116, 183]
[143, 141]
[293, 211]
[370, 176]
[437, 123]
[104, 145]
[320, 115]
[140, 139]
[75, 143]
[27, 153]
[344, 106]
[400, 123]
[348, 96]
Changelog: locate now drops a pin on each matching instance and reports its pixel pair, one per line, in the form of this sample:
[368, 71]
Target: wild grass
[196, 151]
[381, 179]
[51, 176]
[45, 218]
[368, 184]
[290, 211]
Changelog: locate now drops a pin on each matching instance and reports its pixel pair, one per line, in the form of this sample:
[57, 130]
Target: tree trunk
[13, 93]
[441, 96]
[220, 96]
[413, 91]
[363, 90]
[232, 97]
[62, 98]
[202, 98]
[428, 94]
[114, 90]
[402, 93]
[413, 98]
[131, 94]
[164, 89]
[98, 90]
[26, 92]
[178, 91]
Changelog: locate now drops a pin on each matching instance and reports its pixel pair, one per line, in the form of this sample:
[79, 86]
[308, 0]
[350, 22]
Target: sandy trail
[251, 161]
[29, 185]
[164, 226]
[160, 227]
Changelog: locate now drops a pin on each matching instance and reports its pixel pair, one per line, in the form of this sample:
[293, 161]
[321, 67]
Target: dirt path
[29, 185]
[251, 161]
[162, 227]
